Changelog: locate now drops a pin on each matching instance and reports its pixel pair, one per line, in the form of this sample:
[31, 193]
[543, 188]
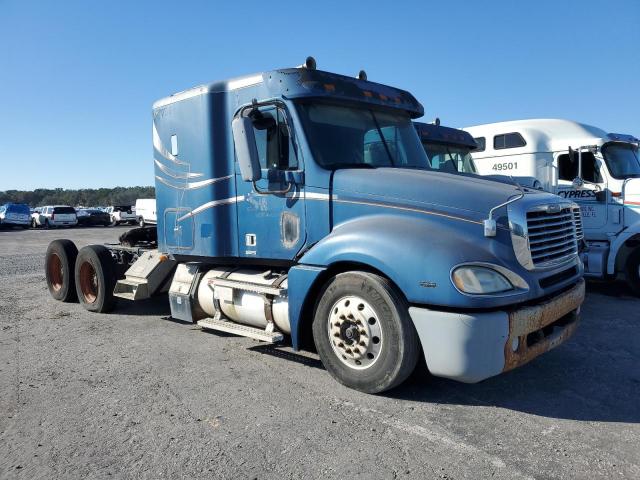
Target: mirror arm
[272, 192]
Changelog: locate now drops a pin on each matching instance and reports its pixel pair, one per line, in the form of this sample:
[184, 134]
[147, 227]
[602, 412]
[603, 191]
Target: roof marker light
[362, 75]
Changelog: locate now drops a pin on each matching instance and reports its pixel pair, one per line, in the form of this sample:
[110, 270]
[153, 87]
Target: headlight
[480, 280]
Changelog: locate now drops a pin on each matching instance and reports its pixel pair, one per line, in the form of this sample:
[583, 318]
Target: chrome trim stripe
[212, 204]
[316, 196]
[324, 196]
[174, 174]
[157, 144]
[192, 185]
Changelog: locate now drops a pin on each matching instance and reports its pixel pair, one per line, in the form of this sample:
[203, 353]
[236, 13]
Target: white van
[598, 170]
[146, 211]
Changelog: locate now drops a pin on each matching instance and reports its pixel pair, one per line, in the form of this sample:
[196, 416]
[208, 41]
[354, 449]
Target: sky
[78, 78]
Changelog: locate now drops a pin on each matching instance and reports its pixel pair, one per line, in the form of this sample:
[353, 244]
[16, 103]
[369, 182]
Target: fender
[618, 243]
[417, 253]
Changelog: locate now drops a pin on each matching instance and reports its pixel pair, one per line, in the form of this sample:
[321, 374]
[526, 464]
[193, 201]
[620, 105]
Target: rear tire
[363, 333]
[60, 270]
[95, 277]
[633, 271]
[34, 224]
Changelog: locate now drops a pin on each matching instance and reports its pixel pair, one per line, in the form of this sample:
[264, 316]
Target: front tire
[95, 278]
[60, 270]
[141, 222]
[363, 333]
[633, 271]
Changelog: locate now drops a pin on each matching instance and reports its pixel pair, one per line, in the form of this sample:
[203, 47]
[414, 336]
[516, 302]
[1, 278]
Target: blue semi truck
[299, 204]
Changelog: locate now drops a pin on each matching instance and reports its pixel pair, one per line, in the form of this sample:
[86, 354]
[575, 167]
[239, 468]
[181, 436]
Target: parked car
[122, 214]
[91, 217]
[146, 211]
[54, 216]
[15, 214]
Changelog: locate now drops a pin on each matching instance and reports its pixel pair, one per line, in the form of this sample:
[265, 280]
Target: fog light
[515, 344]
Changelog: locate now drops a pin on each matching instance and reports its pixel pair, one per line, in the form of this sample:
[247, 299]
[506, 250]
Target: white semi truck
[598, 170]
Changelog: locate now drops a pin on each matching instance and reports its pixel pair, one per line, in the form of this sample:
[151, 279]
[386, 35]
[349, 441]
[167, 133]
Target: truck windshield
[450, 158]
[622, 159]
[360, 137]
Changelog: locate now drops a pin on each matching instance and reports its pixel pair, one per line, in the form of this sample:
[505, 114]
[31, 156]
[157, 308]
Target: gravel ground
[134, 394]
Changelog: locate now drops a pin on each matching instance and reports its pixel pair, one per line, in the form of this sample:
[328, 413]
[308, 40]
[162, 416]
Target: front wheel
[633, 271]
[141, 222]
[363, 333]
[95, 277]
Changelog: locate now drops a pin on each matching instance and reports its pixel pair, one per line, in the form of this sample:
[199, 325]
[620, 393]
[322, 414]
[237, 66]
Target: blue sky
[78, 78]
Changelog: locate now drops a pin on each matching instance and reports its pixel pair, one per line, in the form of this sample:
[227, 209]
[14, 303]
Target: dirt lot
[133, 394]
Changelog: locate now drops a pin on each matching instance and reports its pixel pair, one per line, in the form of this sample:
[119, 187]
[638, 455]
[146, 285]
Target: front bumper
[470, 347]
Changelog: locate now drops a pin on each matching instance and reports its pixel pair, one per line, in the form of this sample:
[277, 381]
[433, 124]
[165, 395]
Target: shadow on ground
[153, 306]
[594, 376]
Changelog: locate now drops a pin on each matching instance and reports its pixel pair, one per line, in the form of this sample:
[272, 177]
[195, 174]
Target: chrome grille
[552, 235]
[577, 217]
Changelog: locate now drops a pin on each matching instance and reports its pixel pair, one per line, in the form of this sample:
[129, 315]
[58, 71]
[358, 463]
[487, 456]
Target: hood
[470, 196]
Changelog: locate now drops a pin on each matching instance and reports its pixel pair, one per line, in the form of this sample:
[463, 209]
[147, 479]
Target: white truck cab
[598, 170]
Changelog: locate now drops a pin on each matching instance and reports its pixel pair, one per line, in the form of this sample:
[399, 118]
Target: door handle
[294, 176]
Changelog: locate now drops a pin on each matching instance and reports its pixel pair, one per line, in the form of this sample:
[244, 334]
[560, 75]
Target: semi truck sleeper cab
[599, 171]
[300, 203]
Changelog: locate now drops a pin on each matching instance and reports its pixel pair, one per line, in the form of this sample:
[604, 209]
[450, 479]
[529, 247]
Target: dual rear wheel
[88, 275]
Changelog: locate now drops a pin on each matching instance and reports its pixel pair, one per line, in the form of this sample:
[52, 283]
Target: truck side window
[482, 144]
[568, 167]
[508, 140]
[273, 139]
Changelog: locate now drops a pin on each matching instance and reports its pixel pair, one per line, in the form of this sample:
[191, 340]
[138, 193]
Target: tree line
[87, 197]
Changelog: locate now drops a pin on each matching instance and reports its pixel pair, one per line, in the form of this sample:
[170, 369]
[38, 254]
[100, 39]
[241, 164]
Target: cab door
[594, 211]
[271, 215]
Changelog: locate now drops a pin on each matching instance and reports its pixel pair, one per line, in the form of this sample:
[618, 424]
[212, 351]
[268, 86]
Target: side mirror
[601, 196]
[577, 183]
[246, 150]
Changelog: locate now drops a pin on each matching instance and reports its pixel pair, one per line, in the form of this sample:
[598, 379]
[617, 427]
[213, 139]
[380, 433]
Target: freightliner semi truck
[299, 205]
[599, 171]
[450, 150]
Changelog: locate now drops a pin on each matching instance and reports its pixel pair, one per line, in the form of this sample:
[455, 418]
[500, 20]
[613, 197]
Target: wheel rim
[355, 332]
[55, 271]
[88, 282]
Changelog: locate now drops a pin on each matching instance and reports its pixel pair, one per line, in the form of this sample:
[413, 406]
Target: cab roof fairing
[444, 135]
[544, 135]
[296, 83]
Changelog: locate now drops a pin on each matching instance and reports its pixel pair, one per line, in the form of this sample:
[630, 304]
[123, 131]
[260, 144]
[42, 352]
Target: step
[242, 330]
[131, 289]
